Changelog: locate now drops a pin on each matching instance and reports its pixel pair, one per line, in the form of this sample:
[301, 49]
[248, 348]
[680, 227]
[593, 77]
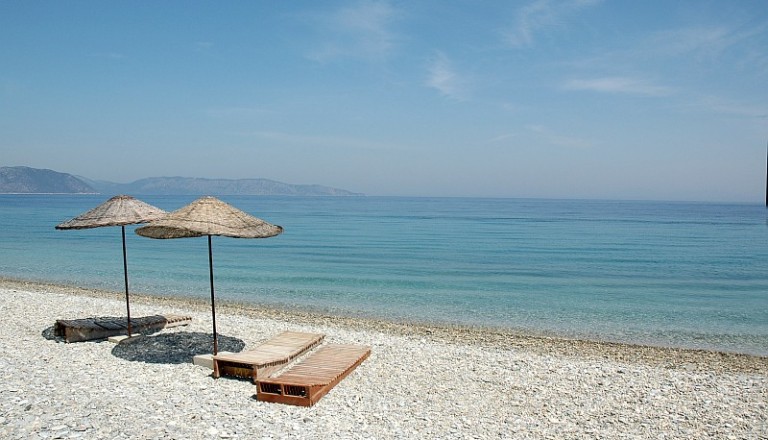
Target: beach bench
[87, 329]
[306, 382]
[265, 358]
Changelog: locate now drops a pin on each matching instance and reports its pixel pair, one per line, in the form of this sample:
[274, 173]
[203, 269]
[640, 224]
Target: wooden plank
[312, 377]
[267, 357]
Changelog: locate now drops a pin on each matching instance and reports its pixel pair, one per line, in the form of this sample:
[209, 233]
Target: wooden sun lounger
[86, 329]
[267, 357]
[310, 379]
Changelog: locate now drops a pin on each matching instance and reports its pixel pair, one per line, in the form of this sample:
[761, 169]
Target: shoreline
[419, 382]
[686, 359]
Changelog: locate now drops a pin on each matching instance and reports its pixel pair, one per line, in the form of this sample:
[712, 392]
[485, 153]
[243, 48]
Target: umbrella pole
[125, 272]
[213, 301]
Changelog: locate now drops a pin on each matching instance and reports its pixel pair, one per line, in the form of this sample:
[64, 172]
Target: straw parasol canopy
[208, 216]
[120, 210]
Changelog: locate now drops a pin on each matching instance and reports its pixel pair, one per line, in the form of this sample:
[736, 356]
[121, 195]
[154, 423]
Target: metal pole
[213, 301]
[125, 273]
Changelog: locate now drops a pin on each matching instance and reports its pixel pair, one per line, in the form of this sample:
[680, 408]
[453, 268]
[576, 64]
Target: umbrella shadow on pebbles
[173, 348]
[209, 216]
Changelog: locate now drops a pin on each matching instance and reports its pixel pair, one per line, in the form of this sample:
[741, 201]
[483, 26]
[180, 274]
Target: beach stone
[418, 383]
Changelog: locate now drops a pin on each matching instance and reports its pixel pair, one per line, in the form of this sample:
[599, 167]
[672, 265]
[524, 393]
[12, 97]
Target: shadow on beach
[173, 348]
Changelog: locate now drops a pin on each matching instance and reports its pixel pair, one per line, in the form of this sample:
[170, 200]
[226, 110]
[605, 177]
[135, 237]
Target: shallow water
[673, 274]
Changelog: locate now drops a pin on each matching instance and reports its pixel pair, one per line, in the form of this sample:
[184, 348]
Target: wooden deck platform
[265, 358]
[86, 329]
[306, 382]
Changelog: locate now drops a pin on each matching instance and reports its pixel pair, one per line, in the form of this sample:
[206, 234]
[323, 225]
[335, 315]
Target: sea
[673, 274]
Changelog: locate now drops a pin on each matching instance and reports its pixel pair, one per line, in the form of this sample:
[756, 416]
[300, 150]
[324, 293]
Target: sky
[613, 99]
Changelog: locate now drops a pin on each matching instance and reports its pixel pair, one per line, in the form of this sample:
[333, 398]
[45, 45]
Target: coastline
[666, 357]
[419, 382]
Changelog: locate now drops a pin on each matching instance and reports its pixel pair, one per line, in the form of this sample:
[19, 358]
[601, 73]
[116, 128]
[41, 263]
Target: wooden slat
[314, 375]
[267, 357]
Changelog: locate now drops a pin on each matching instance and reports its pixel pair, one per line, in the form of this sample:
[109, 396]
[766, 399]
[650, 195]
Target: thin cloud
[540, 16]
[503, 137]
[313, 141]
[733, 108]
[622, 85]
[443, 77]
[680, 41]
[361, 30]
[552, 138]
[709, 41]
[722, 46]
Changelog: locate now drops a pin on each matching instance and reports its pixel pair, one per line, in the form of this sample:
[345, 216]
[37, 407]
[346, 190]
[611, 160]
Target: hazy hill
[198, 186]
[33, 180]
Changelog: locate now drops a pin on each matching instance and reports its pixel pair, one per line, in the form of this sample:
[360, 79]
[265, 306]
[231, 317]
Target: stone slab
[206, 360]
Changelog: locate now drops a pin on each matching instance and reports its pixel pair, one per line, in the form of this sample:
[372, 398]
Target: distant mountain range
[27, 180]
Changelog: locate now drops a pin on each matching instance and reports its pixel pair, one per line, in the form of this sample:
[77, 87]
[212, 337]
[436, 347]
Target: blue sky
[664, 100]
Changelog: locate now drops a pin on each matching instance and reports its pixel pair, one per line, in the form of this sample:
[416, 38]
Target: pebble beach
[420, 381]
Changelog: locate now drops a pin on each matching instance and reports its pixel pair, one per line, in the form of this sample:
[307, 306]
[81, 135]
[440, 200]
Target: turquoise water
[671, 274]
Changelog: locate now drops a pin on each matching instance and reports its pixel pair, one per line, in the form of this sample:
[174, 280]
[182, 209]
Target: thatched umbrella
[118, 211]
[209, 216]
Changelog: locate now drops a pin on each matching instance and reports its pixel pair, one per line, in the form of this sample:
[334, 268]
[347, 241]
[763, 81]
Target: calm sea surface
[672, 274]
